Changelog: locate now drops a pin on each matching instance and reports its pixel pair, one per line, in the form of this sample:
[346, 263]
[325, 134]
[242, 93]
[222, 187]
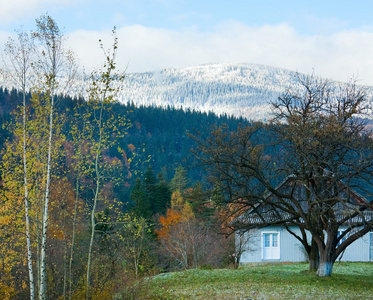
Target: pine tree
[138, 196]
[200, 202]
[180, 180]
[162, 199]
[150, 182]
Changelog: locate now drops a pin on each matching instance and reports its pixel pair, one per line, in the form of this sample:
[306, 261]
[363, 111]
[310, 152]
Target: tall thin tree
[101, 93]
[53, 60]
[18, 56]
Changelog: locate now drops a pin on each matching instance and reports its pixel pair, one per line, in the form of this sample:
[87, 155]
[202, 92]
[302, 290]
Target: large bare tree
[318, 143]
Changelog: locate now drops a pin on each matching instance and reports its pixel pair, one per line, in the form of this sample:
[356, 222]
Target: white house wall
[291, 250]
[357, 251]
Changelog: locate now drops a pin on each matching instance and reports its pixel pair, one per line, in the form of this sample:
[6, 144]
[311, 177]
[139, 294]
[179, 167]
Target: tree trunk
[89, 262]
[326, 264]
[65, 269]
[27, 216]
[45, 215]
[73, 239]
[93, 221]
[314, 257]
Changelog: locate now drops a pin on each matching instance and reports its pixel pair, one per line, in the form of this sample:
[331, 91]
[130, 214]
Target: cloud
[337, 56]
[17, 9]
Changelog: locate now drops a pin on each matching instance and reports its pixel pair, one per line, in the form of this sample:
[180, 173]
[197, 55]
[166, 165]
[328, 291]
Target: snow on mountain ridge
[235, 89]
[242, 90]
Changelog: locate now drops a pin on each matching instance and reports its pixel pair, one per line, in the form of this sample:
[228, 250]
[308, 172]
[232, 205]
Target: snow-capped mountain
[234, 89]
[239, 89]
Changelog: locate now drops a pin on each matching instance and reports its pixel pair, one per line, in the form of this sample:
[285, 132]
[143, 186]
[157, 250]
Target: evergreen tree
[200, 201]
[138, 196]
[150, 182]
[162, 199]
[180, 180]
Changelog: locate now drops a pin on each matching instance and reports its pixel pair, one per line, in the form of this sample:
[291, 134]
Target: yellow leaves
[12, 238]
[6, 220]
[179, 204]
[7, 289]
[187, 212]
[177, 201]
[56, 234]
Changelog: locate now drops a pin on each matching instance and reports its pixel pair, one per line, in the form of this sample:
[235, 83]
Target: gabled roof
[263, 213]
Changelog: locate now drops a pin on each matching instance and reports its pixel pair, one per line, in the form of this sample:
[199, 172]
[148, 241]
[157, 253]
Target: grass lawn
[288, 281]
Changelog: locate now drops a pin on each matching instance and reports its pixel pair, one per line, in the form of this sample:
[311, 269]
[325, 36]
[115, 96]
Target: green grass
[291, 281]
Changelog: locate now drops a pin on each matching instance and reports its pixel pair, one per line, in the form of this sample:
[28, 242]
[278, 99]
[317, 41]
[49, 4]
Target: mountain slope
[240, 90]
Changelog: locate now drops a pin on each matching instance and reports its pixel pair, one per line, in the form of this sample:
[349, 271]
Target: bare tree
[320, 145]
[242, 244]
[191, 243]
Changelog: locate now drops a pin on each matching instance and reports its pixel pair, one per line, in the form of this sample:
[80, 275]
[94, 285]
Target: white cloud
[337, 56]
[15, 9]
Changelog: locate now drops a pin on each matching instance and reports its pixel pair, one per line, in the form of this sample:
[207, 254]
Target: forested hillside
[157, 136]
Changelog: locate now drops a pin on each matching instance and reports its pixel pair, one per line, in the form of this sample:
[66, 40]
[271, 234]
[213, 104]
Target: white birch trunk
[27, 216]
[42, 288]
[93, 225]
[19, 54]
[73, 240]
[93, 222]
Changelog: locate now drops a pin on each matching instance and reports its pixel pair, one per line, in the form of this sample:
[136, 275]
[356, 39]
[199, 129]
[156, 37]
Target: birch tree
[18, 58]
[78, 132]
[103, 133]
[13, 177]
[134, 236]
[52, 61]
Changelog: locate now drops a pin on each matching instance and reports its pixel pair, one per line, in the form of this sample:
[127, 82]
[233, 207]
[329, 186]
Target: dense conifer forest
[157, 137]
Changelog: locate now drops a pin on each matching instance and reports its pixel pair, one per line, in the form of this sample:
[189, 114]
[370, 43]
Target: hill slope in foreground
[281, 281]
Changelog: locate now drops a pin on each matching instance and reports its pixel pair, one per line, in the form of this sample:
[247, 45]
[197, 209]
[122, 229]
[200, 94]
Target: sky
[332, 39]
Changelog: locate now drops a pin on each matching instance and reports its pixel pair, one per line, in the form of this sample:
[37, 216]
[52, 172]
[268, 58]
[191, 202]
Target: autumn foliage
[186, 241]
[167, 223]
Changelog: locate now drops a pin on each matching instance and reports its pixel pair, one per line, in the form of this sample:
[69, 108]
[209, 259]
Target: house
[272, 242]
[276, 244]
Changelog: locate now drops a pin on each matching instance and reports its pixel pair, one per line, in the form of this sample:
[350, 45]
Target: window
[275, 240]
[267, 239]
